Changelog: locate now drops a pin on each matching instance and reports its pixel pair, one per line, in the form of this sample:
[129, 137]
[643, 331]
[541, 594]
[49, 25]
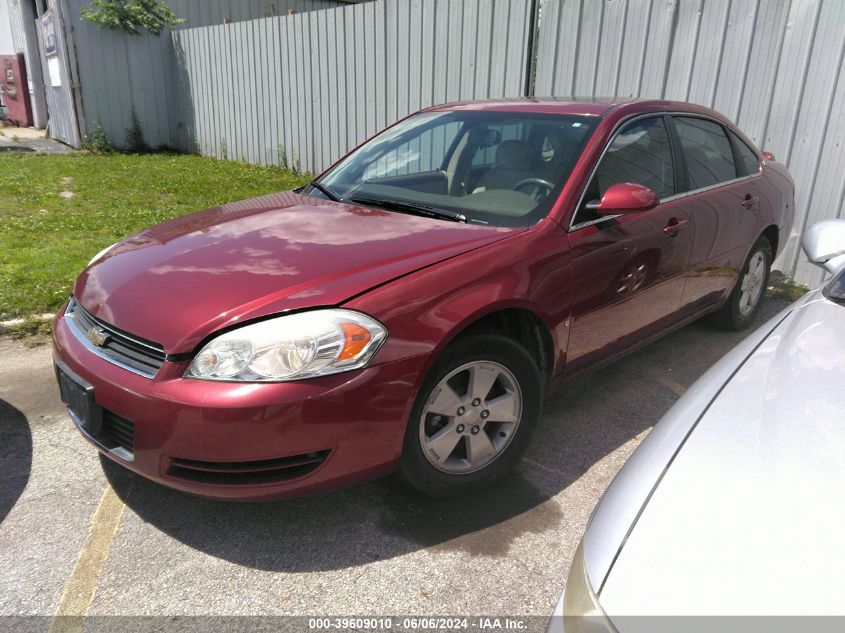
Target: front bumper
[322, 433]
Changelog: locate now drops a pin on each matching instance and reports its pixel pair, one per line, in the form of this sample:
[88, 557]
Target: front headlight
[293, 347]
[582, 612]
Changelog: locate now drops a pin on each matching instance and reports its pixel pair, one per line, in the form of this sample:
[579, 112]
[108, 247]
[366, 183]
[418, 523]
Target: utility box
[13, 82]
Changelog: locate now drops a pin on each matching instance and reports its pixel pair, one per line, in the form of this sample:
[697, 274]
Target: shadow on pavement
[15, 456]
[586, 420]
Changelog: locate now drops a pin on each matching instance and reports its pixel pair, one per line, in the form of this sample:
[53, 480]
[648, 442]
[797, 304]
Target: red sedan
[410, 308]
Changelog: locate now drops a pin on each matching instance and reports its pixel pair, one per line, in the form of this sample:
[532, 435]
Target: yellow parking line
[667, 381]
[82, 583]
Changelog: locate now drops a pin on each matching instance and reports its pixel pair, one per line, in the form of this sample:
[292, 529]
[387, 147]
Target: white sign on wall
[55, 72]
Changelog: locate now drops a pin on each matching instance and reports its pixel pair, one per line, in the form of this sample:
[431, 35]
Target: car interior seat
[515, 161]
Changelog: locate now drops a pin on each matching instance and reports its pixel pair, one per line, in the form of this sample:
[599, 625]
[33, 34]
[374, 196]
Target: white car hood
[749, 518]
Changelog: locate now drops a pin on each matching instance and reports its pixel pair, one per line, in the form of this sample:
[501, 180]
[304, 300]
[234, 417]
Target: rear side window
[707, 151]
[749, 163]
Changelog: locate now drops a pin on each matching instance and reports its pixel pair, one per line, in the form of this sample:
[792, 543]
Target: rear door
[628, 270]
[720, 195]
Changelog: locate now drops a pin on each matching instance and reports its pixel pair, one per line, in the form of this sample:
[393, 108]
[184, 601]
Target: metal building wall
[773, 66]
[119, 73]
[16, 15]
[11, 28]
[12, 38]
[7, 43]
[301, 90]
[17, 35]
[28, 40]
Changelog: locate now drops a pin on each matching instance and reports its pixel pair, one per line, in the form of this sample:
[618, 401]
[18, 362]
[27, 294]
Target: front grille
[119, 347]
[243, 473]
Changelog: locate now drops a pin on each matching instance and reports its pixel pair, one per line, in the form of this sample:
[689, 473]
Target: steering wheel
[540, 187]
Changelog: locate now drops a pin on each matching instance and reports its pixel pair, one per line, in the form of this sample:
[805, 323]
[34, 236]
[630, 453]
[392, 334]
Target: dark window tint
[750, 164]
[707, 150]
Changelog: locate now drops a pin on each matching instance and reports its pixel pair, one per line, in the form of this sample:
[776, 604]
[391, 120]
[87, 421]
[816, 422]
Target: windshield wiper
[413, 208]
[331, 195]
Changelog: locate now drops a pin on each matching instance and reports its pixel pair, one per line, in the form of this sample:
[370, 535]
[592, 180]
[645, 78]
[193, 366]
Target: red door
[628, 270]
[15, 89]
[628, 282]
[723, 204]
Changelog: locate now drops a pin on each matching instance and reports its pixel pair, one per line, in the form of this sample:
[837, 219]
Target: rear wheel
[744, 301]
[472, 418]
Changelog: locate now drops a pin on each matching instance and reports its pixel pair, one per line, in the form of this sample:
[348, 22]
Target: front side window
[497, 168]
[707, 151]
[640, 153]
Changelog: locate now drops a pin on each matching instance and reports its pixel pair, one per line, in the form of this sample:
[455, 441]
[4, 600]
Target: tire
[735, 315]
[472, 463]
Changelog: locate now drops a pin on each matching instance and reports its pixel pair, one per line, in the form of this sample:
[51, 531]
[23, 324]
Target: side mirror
[824, 245]
[625, 197]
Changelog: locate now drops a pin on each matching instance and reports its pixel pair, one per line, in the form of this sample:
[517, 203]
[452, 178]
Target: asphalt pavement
[81, 536]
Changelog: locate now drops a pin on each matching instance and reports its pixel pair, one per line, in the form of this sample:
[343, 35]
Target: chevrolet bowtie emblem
[98, 336]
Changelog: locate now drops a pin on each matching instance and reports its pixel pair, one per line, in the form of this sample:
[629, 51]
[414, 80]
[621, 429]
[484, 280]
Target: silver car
[735, 503]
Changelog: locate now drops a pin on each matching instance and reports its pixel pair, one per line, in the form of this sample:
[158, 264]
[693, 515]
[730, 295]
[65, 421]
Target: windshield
[497, 168]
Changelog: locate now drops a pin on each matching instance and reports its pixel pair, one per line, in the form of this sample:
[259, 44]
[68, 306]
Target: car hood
[177, 282]
[748, 517]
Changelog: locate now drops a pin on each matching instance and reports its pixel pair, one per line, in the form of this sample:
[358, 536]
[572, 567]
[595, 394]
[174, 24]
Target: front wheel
[472, 418]
[744, 301]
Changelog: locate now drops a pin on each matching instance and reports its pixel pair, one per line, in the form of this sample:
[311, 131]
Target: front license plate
[78, 396]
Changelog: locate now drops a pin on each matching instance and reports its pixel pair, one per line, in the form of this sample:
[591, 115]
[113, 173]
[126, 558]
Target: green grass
[782, 287]
[32, 332]
[47, 239]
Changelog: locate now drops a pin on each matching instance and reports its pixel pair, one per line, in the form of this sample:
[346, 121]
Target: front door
[629, 270]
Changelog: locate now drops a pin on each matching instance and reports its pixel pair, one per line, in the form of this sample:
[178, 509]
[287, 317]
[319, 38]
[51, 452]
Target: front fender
[426, 310]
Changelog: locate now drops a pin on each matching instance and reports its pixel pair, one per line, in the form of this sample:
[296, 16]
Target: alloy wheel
[470, 417]
[752, 283]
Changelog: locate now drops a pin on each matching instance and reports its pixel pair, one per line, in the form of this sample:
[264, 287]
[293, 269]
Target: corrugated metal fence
[301, 90]
[773, 66]
[120, 74]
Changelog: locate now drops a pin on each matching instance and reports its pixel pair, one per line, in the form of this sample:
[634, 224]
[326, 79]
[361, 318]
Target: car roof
[585, 106]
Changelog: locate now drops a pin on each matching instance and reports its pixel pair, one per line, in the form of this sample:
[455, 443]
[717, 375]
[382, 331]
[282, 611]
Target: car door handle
[674, 226]
[749, 201]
